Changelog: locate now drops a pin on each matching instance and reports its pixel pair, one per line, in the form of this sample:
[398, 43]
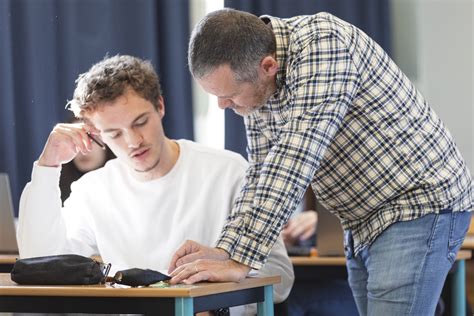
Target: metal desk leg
[458, 292]
[183, 306]
[265, 308]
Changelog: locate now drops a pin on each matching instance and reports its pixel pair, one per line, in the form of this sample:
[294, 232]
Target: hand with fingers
[193, 262]
[300, 227]
[191, 251]
[64, 142]
[209, 270]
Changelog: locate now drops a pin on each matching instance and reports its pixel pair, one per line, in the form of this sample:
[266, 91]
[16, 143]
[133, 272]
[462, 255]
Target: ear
[161, 107]
[269, 66]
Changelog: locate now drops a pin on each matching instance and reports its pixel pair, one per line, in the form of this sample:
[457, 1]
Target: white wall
[433, 43]
[208, 118]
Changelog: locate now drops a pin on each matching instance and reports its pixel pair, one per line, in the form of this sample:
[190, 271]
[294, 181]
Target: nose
[133, 139]
[224, 103]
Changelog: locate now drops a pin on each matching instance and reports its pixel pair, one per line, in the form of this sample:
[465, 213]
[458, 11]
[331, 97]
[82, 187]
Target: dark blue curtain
[372, 16]
[46, 44]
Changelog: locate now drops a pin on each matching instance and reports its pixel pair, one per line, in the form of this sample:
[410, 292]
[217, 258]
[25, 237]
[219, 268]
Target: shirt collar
[281, 31]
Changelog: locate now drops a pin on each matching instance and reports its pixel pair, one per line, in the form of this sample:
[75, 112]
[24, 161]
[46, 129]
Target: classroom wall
[433, 44]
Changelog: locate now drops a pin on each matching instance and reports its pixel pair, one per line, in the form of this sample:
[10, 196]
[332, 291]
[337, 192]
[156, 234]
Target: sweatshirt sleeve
[279, 263]
[44, 226]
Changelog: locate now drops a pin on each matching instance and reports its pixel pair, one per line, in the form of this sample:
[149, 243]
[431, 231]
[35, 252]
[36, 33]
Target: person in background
[301, 227]
[136, 210]
[325, 106]
[82, 163]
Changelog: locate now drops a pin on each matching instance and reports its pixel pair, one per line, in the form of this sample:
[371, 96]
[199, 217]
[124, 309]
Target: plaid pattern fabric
[348, 122]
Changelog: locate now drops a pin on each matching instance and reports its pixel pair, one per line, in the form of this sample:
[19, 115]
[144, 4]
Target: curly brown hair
[110, 78]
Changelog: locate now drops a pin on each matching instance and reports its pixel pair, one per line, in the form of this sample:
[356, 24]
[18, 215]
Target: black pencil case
[59, 270]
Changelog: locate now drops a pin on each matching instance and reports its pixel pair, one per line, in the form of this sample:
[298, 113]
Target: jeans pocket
[459, 225]
[348, 245]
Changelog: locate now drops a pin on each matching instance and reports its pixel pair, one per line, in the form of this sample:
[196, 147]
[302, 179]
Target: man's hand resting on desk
[194, 262]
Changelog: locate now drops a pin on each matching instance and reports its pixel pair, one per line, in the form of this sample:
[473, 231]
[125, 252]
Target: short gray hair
[236, 38]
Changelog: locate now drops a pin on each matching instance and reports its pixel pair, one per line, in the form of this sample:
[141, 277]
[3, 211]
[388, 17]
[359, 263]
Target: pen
[95, 140]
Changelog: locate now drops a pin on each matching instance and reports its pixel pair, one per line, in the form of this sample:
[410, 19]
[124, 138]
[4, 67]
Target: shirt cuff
[244, 249]
[45, 176]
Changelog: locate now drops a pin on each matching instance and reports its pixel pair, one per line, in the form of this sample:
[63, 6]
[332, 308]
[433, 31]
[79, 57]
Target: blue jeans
[403, 271]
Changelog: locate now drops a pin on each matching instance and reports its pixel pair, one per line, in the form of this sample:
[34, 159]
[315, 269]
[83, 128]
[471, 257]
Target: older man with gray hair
[325, 106]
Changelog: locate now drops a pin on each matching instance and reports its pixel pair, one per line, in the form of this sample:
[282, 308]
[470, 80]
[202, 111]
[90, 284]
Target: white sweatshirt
[134, 224]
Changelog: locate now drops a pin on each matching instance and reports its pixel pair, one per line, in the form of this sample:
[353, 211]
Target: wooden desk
[7, 261]
[341, 261]
[318, 261]
[174, 300]
[468, 242]
[458, 278]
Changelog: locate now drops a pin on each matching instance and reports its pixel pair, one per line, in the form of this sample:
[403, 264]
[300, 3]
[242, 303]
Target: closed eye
[141, 122]
[114, 135]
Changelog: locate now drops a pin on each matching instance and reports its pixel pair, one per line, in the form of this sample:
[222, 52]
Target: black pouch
[137, 277]
[59, 270]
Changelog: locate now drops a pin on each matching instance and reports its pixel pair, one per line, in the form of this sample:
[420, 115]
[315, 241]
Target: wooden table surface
[10, 288]
[318, 261]
[468, 242]
[8, 258]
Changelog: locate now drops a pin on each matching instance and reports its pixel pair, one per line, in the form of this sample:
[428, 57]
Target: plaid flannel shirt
[348, 122]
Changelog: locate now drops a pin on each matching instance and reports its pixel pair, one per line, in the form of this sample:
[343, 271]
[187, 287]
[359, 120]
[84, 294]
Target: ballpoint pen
[95, 140]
